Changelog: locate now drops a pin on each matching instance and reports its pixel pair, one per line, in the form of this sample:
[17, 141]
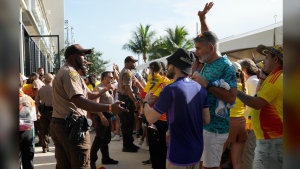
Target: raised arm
[202, 16]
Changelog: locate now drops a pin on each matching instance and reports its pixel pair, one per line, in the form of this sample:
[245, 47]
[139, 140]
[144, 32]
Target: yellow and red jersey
[268, 121]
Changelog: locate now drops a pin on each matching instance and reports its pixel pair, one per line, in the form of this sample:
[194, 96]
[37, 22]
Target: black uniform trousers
[158, 144]
[45, 121]
[127, 121]
[102, 138]
[26, 152]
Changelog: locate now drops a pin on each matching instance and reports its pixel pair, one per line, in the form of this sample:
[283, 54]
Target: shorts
[237, 130]
[213, 148]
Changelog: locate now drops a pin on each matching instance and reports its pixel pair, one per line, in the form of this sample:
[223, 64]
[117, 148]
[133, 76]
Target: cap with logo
[183, 60]
[277, 50]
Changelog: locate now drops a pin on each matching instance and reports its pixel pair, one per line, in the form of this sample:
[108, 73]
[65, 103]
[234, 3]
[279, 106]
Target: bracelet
[109, 108]
[145, 103]
[106, 89]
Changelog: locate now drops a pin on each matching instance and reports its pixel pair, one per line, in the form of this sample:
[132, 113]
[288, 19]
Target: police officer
[102, 121]
[71, 95]
[126, 80]
[43, 102]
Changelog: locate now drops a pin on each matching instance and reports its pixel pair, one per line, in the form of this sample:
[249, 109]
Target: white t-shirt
[116, 87]
[251, 85]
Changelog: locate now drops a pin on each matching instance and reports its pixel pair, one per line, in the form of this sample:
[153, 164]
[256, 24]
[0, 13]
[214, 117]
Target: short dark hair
[40, 68]
[104, 74]
[34, 74]
[208, 37]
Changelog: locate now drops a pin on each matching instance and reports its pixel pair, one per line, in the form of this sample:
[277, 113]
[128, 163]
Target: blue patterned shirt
[218, 69]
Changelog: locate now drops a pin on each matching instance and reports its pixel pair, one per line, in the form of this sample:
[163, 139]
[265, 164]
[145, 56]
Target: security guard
[103, 123]
[43, 103]
[70, 101]
[126, 80]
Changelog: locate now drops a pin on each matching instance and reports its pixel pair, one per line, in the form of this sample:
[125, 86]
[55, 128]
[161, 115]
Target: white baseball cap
[23, 77]
[237, 66]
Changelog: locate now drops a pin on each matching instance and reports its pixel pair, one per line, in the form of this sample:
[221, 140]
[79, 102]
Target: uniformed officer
[70, 94]
[102, 121]
[126, 80]
[43, 99]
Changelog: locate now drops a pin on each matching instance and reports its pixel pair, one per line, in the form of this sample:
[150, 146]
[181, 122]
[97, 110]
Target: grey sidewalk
[126, 160]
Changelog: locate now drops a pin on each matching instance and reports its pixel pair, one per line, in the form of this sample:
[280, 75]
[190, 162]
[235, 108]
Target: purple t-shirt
[183, 102]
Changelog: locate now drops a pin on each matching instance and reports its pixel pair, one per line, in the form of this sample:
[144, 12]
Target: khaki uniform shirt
[66, 84]
[106, 97]
[44, 95]
[126, 77]
[38, 84]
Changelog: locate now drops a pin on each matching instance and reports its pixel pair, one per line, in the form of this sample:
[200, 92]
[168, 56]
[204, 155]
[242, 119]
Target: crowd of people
[201, 110]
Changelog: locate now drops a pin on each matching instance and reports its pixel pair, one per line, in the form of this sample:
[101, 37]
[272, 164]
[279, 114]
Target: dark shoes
[131, 149]
[146, 162]
[45, 151]
[134, 146]
[109, 161]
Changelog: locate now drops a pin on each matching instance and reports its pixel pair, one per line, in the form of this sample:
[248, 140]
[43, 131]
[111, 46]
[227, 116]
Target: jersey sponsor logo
[74, 76]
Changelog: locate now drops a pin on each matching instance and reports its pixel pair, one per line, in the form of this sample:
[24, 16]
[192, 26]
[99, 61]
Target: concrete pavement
[126, 160]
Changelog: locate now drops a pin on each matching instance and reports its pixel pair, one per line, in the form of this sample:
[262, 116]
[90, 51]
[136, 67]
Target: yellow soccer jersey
[155, 83]
[268, 121]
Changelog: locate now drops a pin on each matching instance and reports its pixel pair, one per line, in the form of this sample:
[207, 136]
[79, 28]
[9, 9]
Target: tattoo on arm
[244, 97]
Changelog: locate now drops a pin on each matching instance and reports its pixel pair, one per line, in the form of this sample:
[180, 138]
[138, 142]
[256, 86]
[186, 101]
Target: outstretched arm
[202, 16]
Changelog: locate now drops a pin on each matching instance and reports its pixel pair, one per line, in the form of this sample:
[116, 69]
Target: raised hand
[205, 10]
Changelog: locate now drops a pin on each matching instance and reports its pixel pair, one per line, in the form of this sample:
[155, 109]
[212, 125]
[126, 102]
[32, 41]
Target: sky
[108, 25]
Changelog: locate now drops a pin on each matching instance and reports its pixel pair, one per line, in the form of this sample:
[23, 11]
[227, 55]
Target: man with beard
[215, 67]
[71, 100]
[185, 103]
[125, 83]
[41, 74]
[267, 112]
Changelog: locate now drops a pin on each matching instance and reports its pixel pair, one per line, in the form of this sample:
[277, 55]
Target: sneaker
[152, 126]
[145, 147]
[112, 134]
[134, 146]
[140, 141]
[116, 138]
[109, 161]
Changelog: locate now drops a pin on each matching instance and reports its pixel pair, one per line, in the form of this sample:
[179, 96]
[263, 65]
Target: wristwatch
[208, 86]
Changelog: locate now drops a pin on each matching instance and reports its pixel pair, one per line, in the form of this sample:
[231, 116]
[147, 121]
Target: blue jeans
[268, 154]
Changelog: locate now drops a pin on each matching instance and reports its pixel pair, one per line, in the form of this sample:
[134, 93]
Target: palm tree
[168, 44]
[141, 41]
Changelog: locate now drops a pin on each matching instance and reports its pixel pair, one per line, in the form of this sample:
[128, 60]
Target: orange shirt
[28, 89]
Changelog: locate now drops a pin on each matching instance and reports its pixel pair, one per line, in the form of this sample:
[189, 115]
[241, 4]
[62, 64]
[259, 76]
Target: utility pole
[72, 35]
[67, 42]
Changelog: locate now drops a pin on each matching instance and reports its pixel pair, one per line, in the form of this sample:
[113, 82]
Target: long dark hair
[155, 67]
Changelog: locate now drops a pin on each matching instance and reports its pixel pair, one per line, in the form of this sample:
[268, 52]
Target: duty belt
[49, 108]
[58, 120]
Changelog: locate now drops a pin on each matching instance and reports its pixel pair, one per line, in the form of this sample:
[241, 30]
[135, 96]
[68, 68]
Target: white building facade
[41, 34]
